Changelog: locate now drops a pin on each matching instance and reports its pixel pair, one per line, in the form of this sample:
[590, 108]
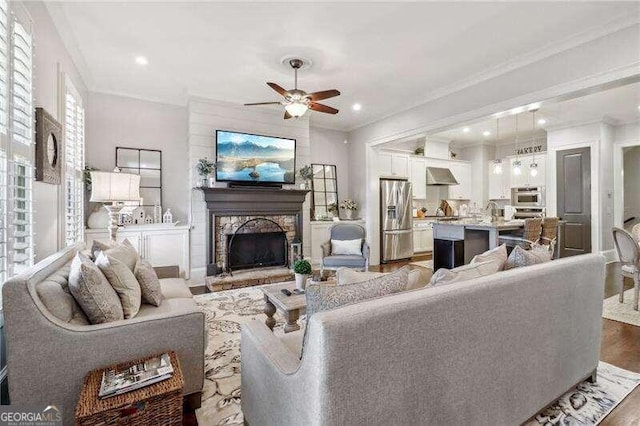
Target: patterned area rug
[225, 311]
[622, 312]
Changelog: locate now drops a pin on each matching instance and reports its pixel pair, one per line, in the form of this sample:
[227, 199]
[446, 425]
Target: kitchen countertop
[479, 224]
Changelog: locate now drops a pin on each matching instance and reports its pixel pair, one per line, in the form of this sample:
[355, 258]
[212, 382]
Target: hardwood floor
[620, 347]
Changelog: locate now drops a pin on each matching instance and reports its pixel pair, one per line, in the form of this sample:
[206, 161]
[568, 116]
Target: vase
[301, 281]
[211, 182]
[348, 214]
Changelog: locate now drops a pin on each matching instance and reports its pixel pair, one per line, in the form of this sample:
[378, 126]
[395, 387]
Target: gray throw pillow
[123, 282]
[124, 252]
[520, 257]
[149, 283]
[92, 291]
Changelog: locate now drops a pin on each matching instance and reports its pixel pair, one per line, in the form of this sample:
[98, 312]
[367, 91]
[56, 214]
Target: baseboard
[610, 255]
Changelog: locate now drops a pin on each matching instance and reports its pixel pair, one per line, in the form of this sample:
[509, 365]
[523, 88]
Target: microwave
[528, 196]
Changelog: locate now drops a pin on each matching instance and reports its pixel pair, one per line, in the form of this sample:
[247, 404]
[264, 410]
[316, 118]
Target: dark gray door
[574, 200]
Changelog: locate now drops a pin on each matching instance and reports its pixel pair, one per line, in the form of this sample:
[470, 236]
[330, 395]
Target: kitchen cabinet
[393, 165]
[499, 184]
[462, 172]
[422, 239]
[418, 178]
[159, 244]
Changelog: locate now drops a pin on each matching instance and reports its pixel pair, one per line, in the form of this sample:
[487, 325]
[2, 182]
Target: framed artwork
[324, 185]
[49, 146]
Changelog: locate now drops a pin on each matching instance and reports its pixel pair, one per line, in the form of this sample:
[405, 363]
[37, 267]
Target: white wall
[120, 121]
[328, 147]
[51, 61]
[205, 117]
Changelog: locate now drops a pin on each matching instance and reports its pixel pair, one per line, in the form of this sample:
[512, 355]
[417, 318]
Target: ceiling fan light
[296, 109]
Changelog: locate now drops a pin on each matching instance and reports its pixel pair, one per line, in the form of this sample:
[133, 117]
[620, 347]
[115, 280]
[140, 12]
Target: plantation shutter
[4, 78]
[74, 164]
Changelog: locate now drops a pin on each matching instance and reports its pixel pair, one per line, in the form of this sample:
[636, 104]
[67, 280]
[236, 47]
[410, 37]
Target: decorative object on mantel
[49, 145]
[167, 217]
[98, 219]
[302, 269]
[205, 168]
[114, 187]
[157, 212]
[306, 173]
[296, 250]
[349, 206]
[138, 216]
[419, 151]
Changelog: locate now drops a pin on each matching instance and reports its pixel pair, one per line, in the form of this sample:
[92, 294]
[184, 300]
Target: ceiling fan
[296, 102]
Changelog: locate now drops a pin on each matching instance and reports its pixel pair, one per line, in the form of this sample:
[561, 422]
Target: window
[73, 167]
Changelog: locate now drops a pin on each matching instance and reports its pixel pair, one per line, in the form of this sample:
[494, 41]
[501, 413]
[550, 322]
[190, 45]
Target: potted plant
[205, 169]
[306, 173]
[332, 209]
[349, 206]
[302, 269]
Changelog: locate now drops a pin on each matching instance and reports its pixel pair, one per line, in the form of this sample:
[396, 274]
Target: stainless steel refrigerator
[396, 220]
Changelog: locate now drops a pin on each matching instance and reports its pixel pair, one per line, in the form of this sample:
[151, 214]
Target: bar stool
[530, 235]
[549, 235]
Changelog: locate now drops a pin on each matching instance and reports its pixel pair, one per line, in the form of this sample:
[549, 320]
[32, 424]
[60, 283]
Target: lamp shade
[114, 186]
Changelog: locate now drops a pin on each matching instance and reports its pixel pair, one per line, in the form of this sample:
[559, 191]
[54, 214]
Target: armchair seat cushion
[345, 260]
[293, 341]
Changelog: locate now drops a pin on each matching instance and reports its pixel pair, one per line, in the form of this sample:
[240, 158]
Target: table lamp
[115, 188]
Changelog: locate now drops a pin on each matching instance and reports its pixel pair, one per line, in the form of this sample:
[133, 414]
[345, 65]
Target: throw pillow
[346, 247]
[445, 276]
[498, 255]
[92, 291]
[520, 257]
[149, 283]
[124, 252]
[350, 276]
[123, 282]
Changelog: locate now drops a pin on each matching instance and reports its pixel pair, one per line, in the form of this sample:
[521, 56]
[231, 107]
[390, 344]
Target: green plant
[86, 176]
[205, 167]
[419, 151]
[332, 208]
[306, 172]
[302, 266]
[348, 205]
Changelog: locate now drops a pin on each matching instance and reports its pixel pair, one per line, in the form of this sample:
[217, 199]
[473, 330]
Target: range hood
[439, 176]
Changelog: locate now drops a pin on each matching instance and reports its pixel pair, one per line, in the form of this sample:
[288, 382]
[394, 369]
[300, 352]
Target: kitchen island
[478, 235]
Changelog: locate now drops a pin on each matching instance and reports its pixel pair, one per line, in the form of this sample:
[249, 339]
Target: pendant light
[533, 167]
[497, 163]
[517, 165]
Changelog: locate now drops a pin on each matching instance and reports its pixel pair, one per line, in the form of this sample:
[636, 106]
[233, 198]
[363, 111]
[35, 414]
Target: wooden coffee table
[290, 306]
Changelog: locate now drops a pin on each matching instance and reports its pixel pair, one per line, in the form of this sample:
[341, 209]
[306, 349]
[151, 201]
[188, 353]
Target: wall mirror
[325, 191]
[148, 164]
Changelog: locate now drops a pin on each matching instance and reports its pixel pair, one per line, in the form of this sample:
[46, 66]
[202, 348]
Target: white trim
[618, 180]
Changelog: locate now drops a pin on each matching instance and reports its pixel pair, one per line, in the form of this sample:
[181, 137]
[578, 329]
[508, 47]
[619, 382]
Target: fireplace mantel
[250, 202]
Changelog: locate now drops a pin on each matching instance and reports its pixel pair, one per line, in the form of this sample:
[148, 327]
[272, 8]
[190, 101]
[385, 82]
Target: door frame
[618, 180]
[552, 182]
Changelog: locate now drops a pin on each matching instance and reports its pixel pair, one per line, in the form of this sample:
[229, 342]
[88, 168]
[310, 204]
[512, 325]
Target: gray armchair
[346, 231]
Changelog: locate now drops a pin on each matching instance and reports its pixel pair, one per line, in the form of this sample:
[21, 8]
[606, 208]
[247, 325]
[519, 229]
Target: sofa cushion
[293, 341]
[149, 283]
[175, 288]
[124, 252]
[349, 276]
[351, 261]
[168, 306]
[123, 282]
[91, 289]
[445, 276]
[498, 255]
[520, 257]
[346, 247]
[55, 296]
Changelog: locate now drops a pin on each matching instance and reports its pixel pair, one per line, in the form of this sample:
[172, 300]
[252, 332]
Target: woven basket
[157, 404]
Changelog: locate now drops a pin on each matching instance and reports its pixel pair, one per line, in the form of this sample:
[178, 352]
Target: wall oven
[528, 196]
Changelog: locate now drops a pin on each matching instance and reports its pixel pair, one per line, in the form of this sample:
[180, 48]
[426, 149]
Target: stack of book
[116, 382]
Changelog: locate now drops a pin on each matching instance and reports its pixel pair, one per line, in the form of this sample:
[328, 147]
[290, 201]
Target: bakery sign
[528, 150]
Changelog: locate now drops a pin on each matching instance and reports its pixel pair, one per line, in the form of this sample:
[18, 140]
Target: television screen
[242, 157]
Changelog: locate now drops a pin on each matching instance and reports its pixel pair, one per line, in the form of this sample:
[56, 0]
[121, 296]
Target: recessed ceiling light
[542, 121]
[638, 106]
[346, 141]
[357, 107]
[486, 133]
[466, 130]
[142, 60]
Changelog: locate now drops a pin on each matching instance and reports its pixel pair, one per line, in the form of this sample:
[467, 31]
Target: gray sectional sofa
[51, 346]
[489, 351]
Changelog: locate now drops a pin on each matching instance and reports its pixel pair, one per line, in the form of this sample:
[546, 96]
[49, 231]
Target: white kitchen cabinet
[393, 165]
[419, 178]
[462, 172]
[422, 239]
[159, 244]
[499, 184]
[320, 234]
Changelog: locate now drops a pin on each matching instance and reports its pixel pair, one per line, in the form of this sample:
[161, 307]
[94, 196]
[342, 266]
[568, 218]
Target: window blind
[74, 163]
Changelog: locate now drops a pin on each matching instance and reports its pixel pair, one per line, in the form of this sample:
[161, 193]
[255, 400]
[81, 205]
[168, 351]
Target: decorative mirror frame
[317, 212]
[47, 126]
[136, 170]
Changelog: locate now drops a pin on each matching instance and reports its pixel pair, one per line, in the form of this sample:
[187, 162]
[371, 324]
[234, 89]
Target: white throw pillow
[349, 276]
[498, 254]
[445, 276]
[347, 247]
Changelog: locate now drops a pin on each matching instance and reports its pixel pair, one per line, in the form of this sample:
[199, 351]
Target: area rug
[622, 312]
[225, 311]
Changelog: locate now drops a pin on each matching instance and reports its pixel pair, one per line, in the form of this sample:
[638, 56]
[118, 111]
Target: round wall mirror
[52, 149]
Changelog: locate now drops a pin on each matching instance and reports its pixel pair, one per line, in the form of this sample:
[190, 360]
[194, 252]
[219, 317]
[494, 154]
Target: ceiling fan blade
[322, 108]
[287, 115]
[263, 103]
[325, 94]
[278, 89]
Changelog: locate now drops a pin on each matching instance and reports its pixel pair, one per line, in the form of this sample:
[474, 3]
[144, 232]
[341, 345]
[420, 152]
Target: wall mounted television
[258, 159]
